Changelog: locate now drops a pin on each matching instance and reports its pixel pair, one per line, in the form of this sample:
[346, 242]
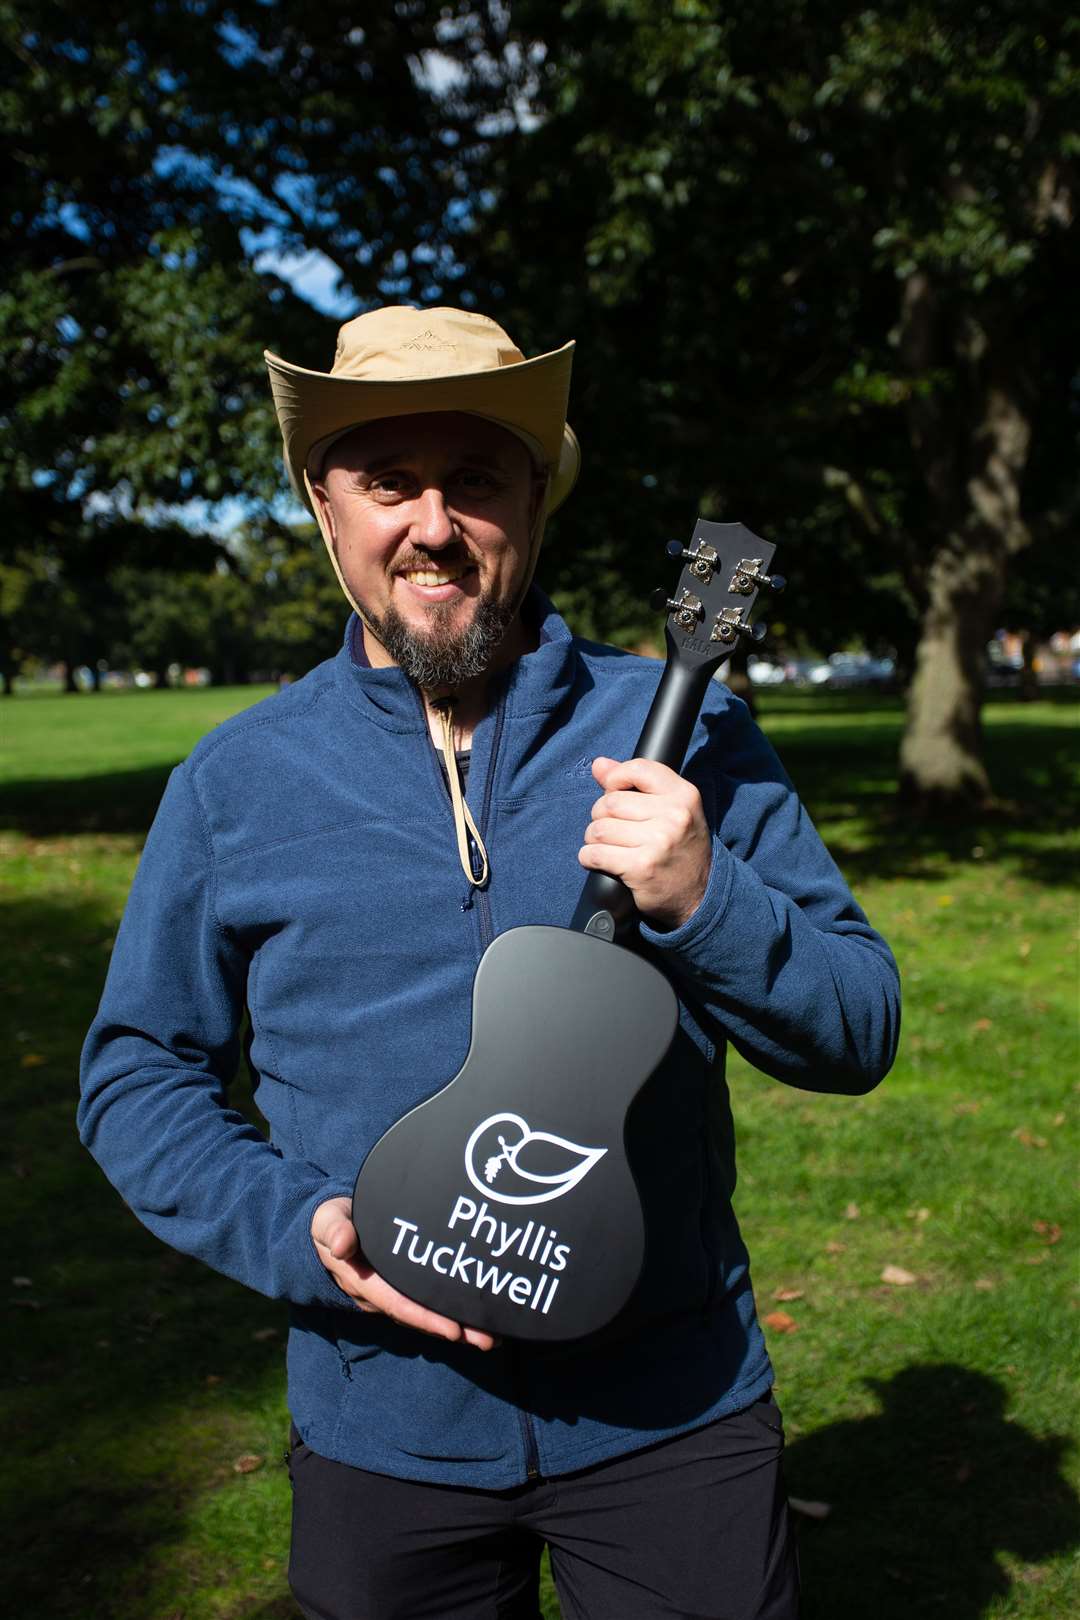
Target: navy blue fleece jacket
[303, 866]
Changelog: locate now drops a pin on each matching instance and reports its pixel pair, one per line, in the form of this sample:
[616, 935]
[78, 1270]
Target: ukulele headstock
[725, 567]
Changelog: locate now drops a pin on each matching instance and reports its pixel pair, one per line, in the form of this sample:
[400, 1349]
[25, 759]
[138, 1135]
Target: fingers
[338, 1247]
[379, 1295]
[644, 775]
[649, 829]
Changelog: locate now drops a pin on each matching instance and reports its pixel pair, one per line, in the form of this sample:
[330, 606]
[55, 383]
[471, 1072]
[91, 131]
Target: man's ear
[324, 509]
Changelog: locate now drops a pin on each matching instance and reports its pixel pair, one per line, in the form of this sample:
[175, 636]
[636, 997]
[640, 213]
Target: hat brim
[528, 398]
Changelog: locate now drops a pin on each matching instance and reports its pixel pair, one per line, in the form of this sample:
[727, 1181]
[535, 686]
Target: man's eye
[389, 483]
[475, 481]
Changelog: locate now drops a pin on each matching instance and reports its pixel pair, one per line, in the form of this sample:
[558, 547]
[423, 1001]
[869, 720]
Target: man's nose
[432, 524]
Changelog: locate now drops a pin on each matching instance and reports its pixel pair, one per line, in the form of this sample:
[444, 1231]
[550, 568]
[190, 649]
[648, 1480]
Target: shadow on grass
[839, 748]
[134, 1376]
[926, 1498]
[112, 802]
[842, 756]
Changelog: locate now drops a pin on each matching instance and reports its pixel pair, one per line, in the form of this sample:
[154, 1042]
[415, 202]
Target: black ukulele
[506, 1200]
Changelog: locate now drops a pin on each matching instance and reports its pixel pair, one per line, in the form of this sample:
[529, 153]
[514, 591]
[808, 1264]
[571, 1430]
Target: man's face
[430, 519]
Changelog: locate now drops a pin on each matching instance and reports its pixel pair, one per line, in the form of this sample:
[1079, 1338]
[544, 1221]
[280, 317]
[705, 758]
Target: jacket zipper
[483, 904]
[528, 1434]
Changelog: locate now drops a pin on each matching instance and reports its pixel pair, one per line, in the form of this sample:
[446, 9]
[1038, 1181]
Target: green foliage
[733, 211]
[152, 154]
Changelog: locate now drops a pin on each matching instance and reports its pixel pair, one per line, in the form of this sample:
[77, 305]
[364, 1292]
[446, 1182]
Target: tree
[819, 258]
[156, 154]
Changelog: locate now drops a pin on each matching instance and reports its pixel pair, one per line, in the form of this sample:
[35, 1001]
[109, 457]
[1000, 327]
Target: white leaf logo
[506, 1139]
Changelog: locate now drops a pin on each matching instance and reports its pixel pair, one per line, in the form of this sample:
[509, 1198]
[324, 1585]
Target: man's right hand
[338, 1247]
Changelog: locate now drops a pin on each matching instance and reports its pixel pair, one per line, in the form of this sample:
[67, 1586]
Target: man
[317, 863]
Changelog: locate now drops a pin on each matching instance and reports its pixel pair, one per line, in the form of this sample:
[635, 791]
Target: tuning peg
[676, 551]
[686, 609]
[729, 625]
[776, 582]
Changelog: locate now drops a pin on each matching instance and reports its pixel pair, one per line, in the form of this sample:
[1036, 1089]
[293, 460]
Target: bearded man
[332, 864]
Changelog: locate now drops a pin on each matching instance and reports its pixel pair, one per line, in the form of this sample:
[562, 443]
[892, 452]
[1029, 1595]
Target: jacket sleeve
[778, 957]
[155, 1068]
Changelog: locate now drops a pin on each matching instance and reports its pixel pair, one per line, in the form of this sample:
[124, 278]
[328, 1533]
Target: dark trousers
[691, 1527]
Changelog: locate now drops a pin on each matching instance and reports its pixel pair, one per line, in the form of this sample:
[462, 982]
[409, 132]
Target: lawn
[914, 1250]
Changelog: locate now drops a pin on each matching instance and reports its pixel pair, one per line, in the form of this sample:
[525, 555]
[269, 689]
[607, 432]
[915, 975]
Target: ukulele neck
[725, 566]
[606, 906]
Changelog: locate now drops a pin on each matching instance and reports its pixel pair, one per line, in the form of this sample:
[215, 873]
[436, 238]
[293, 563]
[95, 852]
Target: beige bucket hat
[401, 361]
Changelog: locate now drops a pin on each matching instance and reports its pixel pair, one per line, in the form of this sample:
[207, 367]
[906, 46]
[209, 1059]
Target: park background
[821, 265]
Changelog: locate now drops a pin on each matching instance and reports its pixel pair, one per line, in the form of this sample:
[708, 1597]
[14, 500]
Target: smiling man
[331, 866]
[431, 519]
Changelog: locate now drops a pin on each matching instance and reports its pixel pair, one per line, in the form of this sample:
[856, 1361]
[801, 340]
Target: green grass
[936, 1417]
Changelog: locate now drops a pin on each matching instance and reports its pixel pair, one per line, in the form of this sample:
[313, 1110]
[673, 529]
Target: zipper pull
[467, 903]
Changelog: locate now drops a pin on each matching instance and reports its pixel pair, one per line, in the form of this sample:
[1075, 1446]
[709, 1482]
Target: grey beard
[441, 659]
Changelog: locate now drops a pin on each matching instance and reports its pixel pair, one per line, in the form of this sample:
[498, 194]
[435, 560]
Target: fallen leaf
[1036, 1259]
[809, 1510]
[898, 1277]
[1025, 947]
[984, 1285]
[1058, 1119]
[851, 1213]
[248, 1463]
[944, 899]
[981, 1024]
[788, 1293]
[781, 1322]
[919, 1215]
[262, 1334]
[833, 1247]
[967, 1107]
[22, 1282]
[212, 1378]
[31, 1060]
[1028, 1138]
[939, 1006]
[1050, 1230]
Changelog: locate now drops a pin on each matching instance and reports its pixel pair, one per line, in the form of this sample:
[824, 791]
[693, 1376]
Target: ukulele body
[506, 1200]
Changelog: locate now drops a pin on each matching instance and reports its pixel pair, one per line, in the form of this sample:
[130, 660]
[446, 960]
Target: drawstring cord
[463, 818]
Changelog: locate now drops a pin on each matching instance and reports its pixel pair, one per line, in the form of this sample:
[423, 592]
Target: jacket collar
[534, 684]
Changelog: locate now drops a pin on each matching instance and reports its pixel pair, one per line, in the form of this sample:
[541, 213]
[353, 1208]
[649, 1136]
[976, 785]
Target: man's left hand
[649, 829]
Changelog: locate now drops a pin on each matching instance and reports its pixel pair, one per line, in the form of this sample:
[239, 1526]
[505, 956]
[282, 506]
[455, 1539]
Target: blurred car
[852, 669]
[764, 673]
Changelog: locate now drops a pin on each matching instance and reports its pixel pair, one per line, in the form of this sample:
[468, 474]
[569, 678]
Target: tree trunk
[972, 447]
[941, 765]
[70, 683]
